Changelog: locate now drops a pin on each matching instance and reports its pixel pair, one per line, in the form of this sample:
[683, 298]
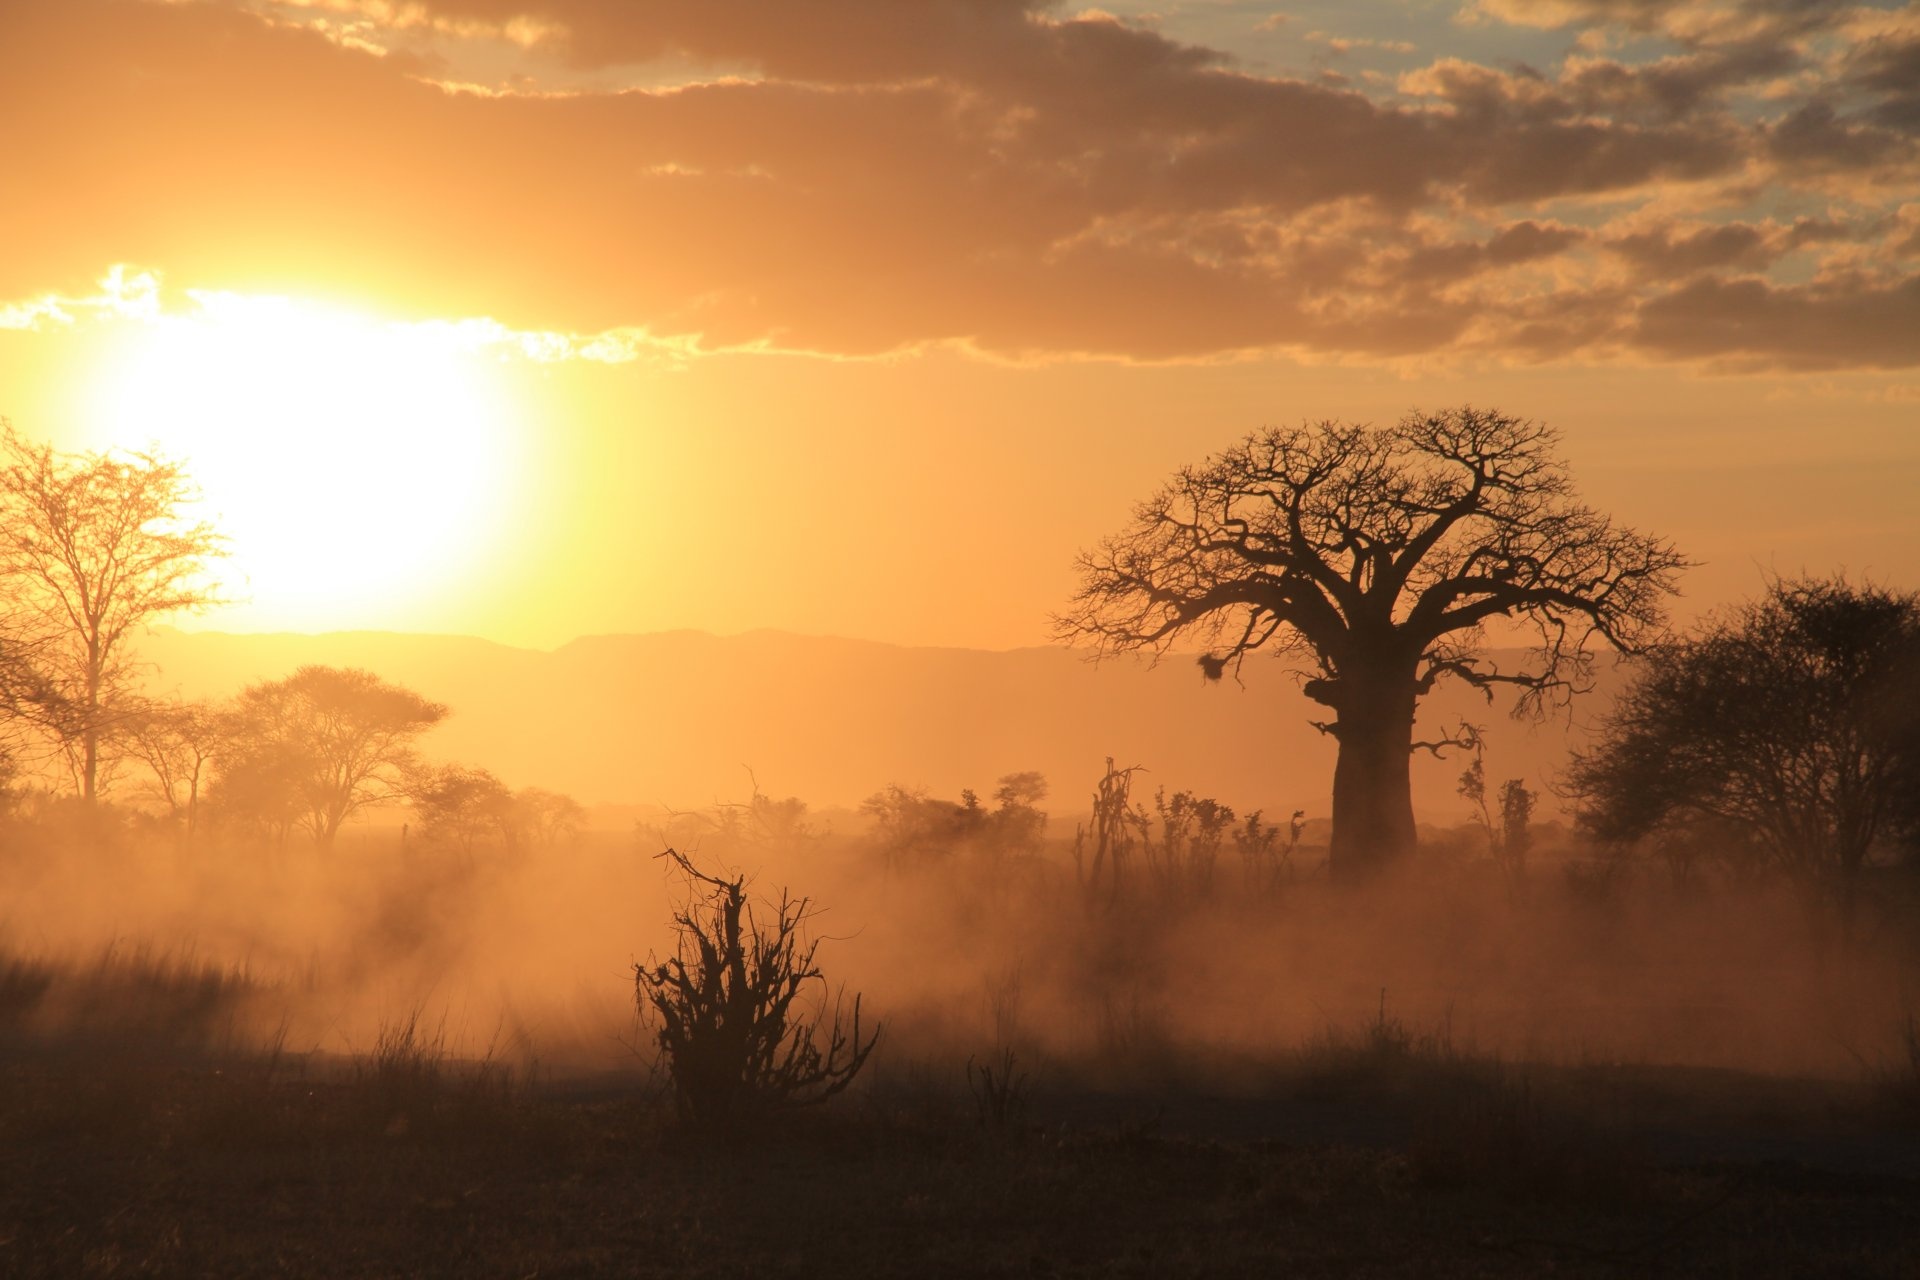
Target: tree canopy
[322, 743]
[1791, 724]
[93, 546]
[1373, 558]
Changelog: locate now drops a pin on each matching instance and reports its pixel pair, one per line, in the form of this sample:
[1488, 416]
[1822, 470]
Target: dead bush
[735, 1037]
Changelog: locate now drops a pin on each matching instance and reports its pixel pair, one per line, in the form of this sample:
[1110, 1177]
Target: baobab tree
[1374, 557]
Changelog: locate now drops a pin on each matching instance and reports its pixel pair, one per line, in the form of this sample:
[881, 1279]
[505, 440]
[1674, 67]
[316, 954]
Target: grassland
[155, 1145]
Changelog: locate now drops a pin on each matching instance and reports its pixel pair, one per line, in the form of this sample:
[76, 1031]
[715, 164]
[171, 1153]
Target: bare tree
[93, 546]
[329, 740]
[1374, 557]
[1105, 848]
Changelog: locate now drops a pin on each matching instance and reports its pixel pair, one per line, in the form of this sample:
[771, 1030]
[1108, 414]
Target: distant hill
[676, 717]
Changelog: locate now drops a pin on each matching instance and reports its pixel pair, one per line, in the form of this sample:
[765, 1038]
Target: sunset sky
[532, 319]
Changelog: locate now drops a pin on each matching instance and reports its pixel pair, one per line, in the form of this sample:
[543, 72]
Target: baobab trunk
[1372, 778]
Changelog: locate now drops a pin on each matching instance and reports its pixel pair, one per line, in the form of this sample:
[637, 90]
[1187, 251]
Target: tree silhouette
[1375, 557]
[178, 742]
[325, 741]
[31, 706]
[547, 819]
[1790, 726]
[92, 547]
[462, 807]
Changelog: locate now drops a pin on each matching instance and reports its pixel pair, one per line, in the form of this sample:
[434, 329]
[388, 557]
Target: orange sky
[861, 316]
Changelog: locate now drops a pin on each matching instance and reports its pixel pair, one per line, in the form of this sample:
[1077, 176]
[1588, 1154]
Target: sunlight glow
[360, 467]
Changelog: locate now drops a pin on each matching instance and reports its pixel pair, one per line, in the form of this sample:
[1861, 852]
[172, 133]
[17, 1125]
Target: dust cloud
[527, 958]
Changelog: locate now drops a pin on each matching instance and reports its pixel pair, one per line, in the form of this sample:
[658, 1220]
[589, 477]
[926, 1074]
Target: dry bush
[413, 1085]
[23, 983]
[999, 1090]
[1385, 1057]
[172, 1001]
[402, 1080]
[732, 1035]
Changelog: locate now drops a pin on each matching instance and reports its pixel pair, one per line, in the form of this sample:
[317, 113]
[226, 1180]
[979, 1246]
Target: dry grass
[1896, 1085]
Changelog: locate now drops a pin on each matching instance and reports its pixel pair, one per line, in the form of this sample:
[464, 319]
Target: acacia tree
[1788, 727]
[463, 807]
[92, 547]
[547, 819]
[328, 741]
[1373, 558]
[178, 742]
[31, 707]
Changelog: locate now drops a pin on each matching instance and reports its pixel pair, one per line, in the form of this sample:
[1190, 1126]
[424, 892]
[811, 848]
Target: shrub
[999, 1090]
[732, 1035]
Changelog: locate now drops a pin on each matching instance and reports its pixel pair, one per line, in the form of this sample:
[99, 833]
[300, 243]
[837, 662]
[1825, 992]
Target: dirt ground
[114, 1164]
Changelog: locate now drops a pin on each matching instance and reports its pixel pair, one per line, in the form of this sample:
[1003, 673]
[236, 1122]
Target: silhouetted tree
[1515, 837]
[1103, 850]
[547, 819]
[913, 828]
[1267, 857]
[32, 709]
[1376, 556]
[1192, 830]
[1787, 725]
[93, 546]
[469, 809]
[463, 808]
[259, 784]
[178, 742]
[1017, 824]
[765, 822]
[327, 741]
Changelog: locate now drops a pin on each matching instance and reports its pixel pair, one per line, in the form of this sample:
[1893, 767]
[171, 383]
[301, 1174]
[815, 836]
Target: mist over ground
[961, 950]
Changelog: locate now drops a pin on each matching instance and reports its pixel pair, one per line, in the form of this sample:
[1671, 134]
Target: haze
[1073, 494]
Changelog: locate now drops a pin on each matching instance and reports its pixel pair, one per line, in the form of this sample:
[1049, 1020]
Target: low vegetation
[729, 1008]
[1676, 1037]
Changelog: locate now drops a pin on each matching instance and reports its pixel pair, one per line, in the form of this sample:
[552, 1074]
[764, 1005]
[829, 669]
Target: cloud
[1887, 67]
[1669, 251]
[132, 295]
[1343, 45]
[860, 176]
[1689, 21]
[1856, 322]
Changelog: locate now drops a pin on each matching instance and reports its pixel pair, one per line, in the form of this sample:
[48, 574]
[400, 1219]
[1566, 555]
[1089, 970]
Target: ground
[121, 1164]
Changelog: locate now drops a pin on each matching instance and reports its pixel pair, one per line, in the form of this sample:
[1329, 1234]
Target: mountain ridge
[672, 716]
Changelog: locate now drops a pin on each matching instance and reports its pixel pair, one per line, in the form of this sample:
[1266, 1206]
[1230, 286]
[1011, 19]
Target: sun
[363, 469]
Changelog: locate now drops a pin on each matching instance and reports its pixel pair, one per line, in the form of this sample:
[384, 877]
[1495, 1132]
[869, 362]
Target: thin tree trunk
[90, 734]
[89, 759]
